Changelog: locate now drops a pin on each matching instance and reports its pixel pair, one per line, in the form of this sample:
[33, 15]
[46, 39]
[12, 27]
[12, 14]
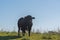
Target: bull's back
[20, 22]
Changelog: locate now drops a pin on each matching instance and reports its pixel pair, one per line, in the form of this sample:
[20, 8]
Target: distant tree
[14, 29]
[38, 31]
[33, 31]
[1, 30]
[52, 32]
[58, 30]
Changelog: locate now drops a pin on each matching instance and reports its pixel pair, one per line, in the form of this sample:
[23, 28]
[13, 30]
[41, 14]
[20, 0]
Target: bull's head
[33, 17]
[29, 16]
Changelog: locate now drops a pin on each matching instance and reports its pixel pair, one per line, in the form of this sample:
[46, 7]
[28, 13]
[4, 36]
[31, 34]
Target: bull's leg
[23, 32]
[29, 32]
[29, 29]
[18, 31]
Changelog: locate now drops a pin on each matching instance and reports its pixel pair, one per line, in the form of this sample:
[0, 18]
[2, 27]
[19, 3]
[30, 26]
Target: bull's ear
[33, 17]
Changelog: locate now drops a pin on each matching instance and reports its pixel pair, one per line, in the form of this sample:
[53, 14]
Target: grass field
[34, 36]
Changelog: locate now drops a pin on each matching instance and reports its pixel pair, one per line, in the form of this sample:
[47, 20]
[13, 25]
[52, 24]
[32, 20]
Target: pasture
[34, 36]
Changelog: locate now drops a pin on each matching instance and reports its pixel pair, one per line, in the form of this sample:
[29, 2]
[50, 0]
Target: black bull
[25, 24]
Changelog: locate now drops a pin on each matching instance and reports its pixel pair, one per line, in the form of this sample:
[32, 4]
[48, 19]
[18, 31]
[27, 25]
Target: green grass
[34, 36]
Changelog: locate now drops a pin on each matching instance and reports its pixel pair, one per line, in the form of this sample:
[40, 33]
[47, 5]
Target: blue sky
[46, 12]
